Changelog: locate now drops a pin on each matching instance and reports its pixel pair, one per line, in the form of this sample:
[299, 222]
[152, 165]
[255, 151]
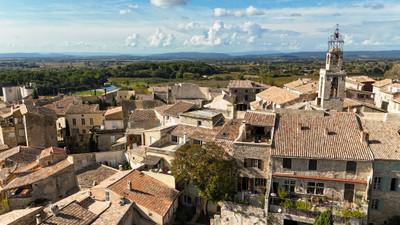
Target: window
[83, 121]
[112, 139]
[289, 185]
[246, 90]
[174, 138]
[334, 87]
[11, 134]
[377, 184]
[187, 199]
[84, 163]
[312, 164]
[83, 131]
[197, 142]
[91, 121]
[259, 182]
[375, 204]
[396, 167]
[80, 137]
[287, 163]
[315, 188]
[253, 163]
[59, 125]
[73, 121]
[393, 184]
[198, 123]
[351, 167]
[106, 196]
[379, 166]
[246, 97]
[21, 132]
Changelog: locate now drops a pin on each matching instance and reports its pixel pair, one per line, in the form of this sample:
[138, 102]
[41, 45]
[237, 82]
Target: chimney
[326, 132]
[129, 186]
[349, 109]
[105, 91]
[363, 136]
[299, 126]
[120, 167]
[94, 183]
[38, 219]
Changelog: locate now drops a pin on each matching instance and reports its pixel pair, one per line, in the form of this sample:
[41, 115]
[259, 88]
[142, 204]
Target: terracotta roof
[113, 110]
[354, 103]
[39, 175]
[278, 95]
[382, 83]
[260, 119]
[94, 173]
[53, 150]
[384, 138]
[227, 145]
[343, 140]
[199, 133]
[38, 110]
[142, 115]
[83, 109]
[240, 84]
[19, 156]
[158, 89]
[161, 109]
[71, 214]
[178, 108]
[223, 96]
[61, 106]
[230, 130]
[360, 79]
[305, 86]
[146, 192]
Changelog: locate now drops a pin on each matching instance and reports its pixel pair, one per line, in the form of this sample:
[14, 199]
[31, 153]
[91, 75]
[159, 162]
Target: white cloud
[132, 41]
[133, 6]
[370, 42]
[253, 29]
[75, 44]
[160, 38]
[348, 39]
[189, 26]
[250, 11]
[211, 39]
[168, 3]
[124, 11]
[374, 6]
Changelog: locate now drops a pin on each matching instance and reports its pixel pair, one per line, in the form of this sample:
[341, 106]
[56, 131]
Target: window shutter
[396, 167]
[379, 166]
[386, 184]
[245, 163]
[380, 205]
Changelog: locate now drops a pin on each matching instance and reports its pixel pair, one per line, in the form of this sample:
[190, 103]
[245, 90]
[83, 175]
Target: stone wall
[243, 150]
[40, 131]
[233, 214]
[388, 199]
[29, 218]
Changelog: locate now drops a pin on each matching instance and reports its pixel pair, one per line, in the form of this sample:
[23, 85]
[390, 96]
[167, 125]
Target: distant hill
[209, 55]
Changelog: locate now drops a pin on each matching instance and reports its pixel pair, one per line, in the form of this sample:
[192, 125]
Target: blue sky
[226, 26]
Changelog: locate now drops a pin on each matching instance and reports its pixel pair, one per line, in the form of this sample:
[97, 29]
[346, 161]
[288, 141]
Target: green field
[98, 93]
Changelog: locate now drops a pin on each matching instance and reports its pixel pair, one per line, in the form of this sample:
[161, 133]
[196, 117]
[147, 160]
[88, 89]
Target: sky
[141, 27]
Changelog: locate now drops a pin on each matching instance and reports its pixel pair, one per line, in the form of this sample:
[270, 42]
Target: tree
[209, 168]
[394, 72]
[113, 102]
[324, 218]
[93, 142]
[35, 94]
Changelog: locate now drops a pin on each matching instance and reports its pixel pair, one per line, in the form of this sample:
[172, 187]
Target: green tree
[35, 94]
[324, 218]
[394, 72]
[93, 142]
[113, 102]
[209, 168]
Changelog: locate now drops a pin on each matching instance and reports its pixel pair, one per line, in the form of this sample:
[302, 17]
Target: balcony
[309, 207]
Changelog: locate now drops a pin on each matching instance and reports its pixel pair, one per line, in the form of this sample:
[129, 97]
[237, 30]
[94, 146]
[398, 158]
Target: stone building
[321, 159]
[387, 95]
[15, 93]
[112, 130]
[81, 119]
[332, 79]
[362, 83]
[275, 97]
[243, 92]
[185, 92]
[51, 179]
[169, 114]
[303, 86]
[155, 201]
[28, 125]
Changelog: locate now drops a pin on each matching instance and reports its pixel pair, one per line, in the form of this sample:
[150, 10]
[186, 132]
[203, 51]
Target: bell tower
[331, 89]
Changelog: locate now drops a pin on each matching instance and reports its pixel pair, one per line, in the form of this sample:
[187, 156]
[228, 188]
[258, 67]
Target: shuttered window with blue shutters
[379, 166]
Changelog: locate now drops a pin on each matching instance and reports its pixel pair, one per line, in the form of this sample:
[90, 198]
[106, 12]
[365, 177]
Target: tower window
[334, 87]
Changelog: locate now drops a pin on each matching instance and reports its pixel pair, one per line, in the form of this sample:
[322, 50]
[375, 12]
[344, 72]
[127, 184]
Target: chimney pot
[129, 186]
[364, 136]
[54, 209]
[120, 167]
[38, 219]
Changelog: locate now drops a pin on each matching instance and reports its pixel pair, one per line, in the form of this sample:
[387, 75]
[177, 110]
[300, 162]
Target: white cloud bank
[132, 41]
[168, 3]
[161, 39]
[250, 11]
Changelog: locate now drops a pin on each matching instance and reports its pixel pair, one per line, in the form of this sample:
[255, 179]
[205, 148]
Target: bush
[287, 204]
[303, 205]
[324, 218]
[353, 214]
[282, 193]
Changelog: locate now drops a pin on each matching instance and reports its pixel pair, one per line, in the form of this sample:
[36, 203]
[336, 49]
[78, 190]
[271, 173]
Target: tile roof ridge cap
[116, 174]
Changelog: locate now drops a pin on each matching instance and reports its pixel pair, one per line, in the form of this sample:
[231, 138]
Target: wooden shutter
[380, 205]
[396, 167]
[379, 166]
[386, 184]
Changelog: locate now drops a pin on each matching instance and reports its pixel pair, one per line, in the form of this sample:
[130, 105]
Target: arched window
[334, 87]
